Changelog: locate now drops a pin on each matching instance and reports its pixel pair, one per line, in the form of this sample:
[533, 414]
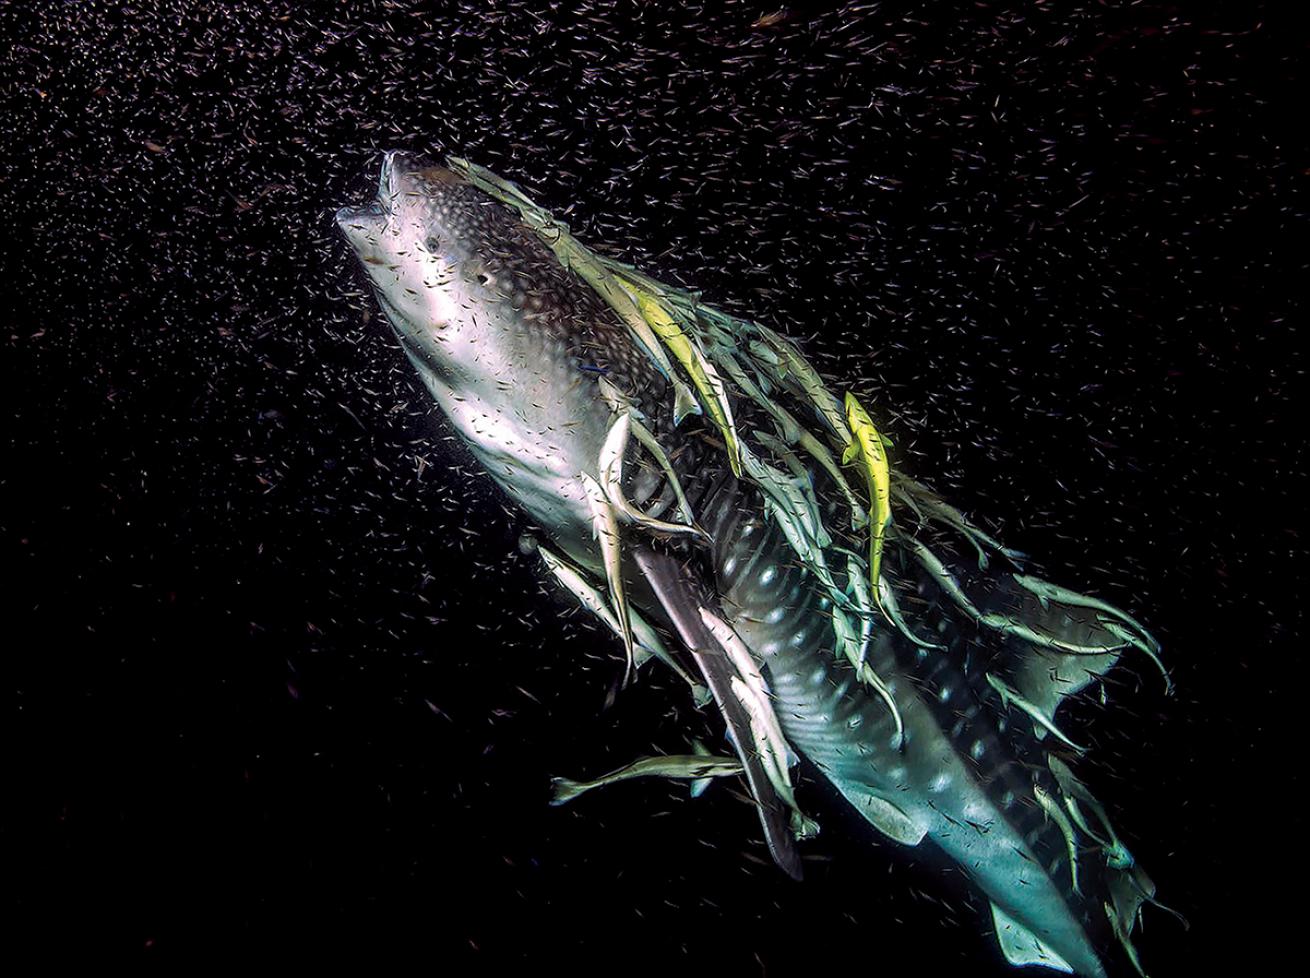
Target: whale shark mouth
[364, 222]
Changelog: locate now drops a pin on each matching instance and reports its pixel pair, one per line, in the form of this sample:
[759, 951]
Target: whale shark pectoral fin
[1021, 946]
[676, 595]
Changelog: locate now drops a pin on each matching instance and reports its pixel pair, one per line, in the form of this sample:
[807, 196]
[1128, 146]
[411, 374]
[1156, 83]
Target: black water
[283, 688]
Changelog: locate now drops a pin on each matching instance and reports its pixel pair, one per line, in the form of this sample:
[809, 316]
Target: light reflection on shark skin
[925, 691]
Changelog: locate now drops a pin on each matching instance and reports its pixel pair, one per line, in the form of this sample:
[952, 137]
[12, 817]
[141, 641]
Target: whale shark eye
[432, 244]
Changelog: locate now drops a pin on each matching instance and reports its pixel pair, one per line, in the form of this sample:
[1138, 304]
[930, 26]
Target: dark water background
[281, 686]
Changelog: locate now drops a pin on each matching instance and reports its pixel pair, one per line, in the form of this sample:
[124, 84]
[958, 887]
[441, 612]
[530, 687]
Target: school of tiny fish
[1038, 257]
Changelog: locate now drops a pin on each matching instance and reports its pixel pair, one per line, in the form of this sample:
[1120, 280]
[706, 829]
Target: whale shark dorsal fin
[669, 580]
[891, 821]
[1022, 947]
[1053, 650]
[1064, 641]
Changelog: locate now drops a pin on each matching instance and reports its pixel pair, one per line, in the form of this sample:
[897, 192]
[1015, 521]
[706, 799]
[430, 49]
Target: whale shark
[729, 512]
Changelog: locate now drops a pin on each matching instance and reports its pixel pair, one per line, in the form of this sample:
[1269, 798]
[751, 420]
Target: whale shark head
[437, 251]
[507, 340]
